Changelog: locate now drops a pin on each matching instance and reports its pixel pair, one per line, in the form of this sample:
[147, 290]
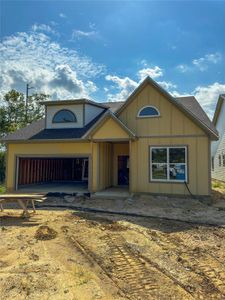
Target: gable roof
[188, 105]
[37, 131]
[199, 117]
[113, 106]
[107, 115]
[191, 105]
[27, 132]
[219, 104]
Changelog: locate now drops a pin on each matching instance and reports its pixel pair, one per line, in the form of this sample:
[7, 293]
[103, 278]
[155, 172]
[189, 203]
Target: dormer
[71, 113]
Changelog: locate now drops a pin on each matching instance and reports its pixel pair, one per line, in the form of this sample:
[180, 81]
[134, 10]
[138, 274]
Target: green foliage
[13, 111]
[2, 189]
[13, 116]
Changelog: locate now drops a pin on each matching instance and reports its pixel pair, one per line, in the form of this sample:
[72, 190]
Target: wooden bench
[22, 200]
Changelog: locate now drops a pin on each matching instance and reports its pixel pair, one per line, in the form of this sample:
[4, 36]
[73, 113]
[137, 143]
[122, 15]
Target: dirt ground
[59, 254]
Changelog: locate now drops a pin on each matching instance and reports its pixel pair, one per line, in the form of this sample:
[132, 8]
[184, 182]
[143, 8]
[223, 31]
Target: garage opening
[53, 174]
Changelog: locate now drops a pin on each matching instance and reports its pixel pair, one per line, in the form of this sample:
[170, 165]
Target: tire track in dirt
[135, 277]
[139, 273]
[201, 263]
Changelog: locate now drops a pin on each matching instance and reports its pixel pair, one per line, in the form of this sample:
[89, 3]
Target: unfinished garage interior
[52, 173]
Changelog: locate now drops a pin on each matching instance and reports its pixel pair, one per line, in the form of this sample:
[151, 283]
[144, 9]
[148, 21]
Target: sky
[102, 50]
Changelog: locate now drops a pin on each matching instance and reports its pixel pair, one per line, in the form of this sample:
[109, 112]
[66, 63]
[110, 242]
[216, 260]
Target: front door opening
[123, 170]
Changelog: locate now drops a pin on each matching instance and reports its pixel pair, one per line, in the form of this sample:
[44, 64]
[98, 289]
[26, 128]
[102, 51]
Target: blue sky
[103, 49]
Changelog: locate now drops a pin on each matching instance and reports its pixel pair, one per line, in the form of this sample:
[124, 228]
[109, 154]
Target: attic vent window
[64, 116]
[148, 112]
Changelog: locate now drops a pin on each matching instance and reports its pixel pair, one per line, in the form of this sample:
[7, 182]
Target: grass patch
[218, 188]
[2, 188]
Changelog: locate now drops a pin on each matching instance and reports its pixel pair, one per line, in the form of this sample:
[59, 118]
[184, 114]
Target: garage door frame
[80, 155]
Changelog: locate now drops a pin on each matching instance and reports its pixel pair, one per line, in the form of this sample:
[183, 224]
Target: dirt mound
[45, 233]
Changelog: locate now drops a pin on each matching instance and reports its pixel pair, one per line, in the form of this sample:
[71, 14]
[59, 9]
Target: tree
[13, 111]
[13, 116]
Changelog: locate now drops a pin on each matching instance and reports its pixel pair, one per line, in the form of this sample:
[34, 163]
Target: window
[148, 111]
[168, 164]
[213, 163]
[64, 116]
[223, 160]
[219, 159]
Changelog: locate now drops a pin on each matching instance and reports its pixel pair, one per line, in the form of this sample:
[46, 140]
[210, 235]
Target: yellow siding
[171, 121]
[171, 128]
[95, 167]
[47, 149]
[105, 166]
[198, 166]
[110, 130]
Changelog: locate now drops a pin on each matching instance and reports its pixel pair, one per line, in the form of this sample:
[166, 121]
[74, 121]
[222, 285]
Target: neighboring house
[218, 147]
[152, 143]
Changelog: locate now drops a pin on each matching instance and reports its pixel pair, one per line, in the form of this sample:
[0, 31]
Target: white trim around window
[148, 116]
[165, 169]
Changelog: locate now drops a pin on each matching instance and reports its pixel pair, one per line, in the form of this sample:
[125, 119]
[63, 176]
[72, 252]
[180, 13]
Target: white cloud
[183, 68]
[208, 96]
[58, 71]
[124, 85]
[154, 72]
[167, 85]
[62, 15]
[202, 63]
[44, 28]
[79, 34]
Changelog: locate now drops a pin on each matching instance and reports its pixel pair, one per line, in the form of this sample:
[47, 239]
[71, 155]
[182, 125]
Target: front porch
[111, 147]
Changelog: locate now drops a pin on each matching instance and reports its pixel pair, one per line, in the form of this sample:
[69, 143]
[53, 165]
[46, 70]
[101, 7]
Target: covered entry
[52, 170]
[112, 140]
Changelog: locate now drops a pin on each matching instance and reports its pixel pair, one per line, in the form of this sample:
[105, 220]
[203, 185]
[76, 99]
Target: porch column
[94, 167]
[130, 166]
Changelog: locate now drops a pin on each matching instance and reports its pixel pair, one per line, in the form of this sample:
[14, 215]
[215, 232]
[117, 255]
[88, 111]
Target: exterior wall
[219, 171]
[220, 126]
[105, 166]
[171, 128]
[40, 149]
[91, 112]
[118, 149]
[110, 130]
[77, 109]
[170, 122]
[197, 164]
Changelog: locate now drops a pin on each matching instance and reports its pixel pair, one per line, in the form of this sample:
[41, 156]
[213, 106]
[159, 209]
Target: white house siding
[91, 112]
[219, 171]
[51, 110]
[220, 126]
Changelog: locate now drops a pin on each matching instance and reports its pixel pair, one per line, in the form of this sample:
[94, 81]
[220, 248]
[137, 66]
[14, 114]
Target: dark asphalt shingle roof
[37, 130]
[113, 106]
[192, 106]
[65, 133]
[27, 132]
[189, 103]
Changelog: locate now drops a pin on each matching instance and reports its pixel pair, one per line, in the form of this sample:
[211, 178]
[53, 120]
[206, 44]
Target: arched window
[148, 111]
[64, 116]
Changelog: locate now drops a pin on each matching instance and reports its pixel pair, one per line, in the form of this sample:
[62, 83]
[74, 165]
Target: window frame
[63, 122]
[168, 180]
[212, 163]
[148, 116]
